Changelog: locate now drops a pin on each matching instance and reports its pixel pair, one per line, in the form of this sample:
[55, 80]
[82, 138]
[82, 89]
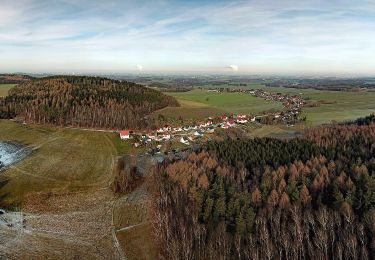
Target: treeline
[306, 198]
[363, 120]
[14, 78]
[83, 101]
[126, 177]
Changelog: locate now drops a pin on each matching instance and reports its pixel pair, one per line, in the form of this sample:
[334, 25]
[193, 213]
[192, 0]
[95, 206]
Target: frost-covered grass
[11, 153]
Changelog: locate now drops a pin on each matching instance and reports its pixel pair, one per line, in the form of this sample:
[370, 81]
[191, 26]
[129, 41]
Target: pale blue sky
[282, 36]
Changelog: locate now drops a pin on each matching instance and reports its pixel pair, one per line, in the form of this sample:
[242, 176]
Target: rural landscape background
[187, 129]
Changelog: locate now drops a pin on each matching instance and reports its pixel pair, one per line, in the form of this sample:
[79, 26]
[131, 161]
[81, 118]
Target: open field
[62, 190]
[4, 89]
[63, 160]
[200, 104]
[334, 105]
[340, 106]
[229, 102]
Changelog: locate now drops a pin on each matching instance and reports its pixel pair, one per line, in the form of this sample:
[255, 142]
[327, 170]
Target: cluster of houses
[190, 133]
[293, 103]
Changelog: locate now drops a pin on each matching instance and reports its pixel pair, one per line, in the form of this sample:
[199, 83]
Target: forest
[84, 102]
[311, 197]
[363, 120]
[14, 78]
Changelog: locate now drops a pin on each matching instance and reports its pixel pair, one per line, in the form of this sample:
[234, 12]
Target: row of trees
[364, 120]
[311, 198]
[83, 101]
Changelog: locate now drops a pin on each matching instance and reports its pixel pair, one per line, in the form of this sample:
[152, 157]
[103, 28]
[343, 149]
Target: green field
[63, 160]
[199, 104]
[4, 89]
[334, 105]
[229, 102]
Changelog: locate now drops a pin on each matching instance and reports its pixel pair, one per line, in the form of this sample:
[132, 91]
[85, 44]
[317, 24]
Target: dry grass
[136, 242]
[63, 190]
[63, 160]
[4, 89]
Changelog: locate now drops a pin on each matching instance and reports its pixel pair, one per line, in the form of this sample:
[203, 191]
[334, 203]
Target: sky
[321, 37]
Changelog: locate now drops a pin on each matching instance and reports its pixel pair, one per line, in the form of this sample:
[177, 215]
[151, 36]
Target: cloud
[233, 67]
[140, 67]
[257, 36]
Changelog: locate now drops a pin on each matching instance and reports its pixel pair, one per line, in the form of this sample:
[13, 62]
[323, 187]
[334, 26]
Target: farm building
[124, 134]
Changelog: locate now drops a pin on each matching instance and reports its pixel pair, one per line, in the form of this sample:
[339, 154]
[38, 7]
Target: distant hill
[14, 78]
[83, 101]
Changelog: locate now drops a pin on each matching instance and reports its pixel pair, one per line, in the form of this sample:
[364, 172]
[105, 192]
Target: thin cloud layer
[258, 36]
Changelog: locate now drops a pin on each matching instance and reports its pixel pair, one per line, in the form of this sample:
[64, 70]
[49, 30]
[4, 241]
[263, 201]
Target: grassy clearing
[266, 130]
[4, 89]
[200, 104]
[64, 160]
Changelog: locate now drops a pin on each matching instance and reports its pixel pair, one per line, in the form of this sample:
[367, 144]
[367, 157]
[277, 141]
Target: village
[195, 132]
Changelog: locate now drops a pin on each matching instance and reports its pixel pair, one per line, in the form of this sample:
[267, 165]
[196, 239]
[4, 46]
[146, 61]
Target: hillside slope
[83, 101]
[14, 78]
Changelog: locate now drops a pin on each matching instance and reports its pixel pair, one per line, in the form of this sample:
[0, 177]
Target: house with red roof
[124, 134]
[225, 126]
[231, 123]
[224, 118]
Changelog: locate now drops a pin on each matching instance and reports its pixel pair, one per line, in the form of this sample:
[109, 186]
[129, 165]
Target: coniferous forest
[83, 101]
[311, 197]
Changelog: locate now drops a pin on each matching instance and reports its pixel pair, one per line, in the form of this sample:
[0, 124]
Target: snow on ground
[11, 153]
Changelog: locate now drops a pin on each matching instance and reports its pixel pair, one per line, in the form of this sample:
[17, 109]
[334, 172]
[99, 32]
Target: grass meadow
[200, 104]
[63, 160]
[333, 105]
[4, 89]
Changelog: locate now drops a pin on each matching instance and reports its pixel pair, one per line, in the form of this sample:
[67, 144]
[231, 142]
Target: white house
[177, 129]
[197, 134]
[210, 130]
[201, 125]
[184, 141]
[166, 136]
[151, 136]
[242, 121]
[124, 134]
